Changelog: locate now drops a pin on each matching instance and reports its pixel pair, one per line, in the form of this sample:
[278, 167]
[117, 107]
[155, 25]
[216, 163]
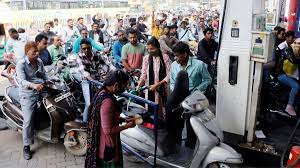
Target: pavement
[46, 155]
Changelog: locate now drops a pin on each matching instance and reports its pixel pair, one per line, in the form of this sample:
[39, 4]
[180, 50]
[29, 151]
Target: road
[46, 155]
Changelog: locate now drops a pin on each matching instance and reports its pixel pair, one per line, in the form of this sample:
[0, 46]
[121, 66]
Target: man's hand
[89, 78]
[38, 87]
[213, 62]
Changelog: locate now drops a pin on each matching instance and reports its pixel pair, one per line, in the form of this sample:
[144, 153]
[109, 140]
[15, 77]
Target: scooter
[54, 119]
[210, 151]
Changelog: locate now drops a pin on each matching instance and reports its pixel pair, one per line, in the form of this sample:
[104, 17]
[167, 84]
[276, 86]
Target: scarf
[93, 131]
[162, 75]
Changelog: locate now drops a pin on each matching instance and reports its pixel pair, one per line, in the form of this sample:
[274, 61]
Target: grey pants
[28, 103]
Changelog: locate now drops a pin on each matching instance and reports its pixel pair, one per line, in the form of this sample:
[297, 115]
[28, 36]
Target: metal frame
[155, 107]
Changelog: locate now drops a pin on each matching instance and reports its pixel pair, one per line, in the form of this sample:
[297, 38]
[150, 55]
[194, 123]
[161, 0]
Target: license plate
[58, 99]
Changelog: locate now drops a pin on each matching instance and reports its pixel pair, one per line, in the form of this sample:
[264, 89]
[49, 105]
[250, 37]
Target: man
[167, 42]
[80, 24]
[46, 32]
[84, 36]
[184, 33]
[200, 28]
[173, 31]
[133, 52]
[89, 69]
[44, 55]
[96, 34]
[199, 79]
[14, 47]
[118, 45]
[156, 29]
[141, 25]
[119, 26]
[207, 48]
[57, 27]
[55, 49]
[70, 34]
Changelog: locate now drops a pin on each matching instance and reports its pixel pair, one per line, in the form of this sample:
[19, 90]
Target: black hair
[55, 20]
[85, 41]
[153, 41]
[21, 30]
[208, 30]
[12, 30]
[181, 48]
[116, 76]
[40, 37]
[2, 30]
[277, 28]
[120, 31]
[79, 18]
[290, 34]
[131, 31]
[82, 30]
[95, 24]
[280, 29]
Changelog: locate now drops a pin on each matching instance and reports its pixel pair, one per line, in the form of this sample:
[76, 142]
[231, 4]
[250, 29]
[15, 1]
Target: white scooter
[209, 150]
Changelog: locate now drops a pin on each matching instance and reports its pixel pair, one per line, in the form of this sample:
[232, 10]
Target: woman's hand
[154, 87]
[38, 87]
[130, 124]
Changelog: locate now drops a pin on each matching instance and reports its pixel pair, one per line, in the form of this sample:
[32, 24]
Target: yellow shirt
[156, 30]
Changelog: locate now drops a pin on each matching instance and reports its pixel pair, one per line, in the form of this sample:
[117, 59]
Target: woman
[104, 144]
[155, 74]
[31, 87]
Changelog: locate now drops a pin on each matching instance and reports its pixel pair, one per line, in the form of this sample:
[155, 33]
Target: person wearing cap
[156, 29]
[173, 31]
[184, 33]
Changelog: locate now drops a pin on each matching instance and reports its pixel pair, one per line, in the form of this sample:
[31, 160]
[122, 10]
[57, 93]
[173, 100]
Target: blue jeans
[87, 98]
[291, 83]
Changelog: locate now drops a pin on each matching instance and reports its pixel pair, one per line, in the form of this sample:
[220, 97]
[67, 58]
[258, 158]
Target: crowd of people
[160, 50]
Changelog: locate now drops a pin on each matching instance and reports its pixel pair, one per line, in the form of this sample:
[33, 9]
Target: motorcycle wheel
[220, 165]
[80, 148]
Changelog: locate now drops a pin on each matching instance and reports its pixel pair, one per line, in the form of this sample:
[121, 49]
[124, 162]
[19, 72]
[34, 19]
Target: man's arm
[124, 59]
[172, 76]
[116, 53]
[76, 46]
[202, 54]
[206, 79]
[97, 46]
[164, 45]
[21, 76]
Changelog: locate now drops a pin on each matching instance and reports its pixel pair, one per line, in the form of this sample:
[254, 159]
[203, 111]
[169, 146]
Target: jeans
[28, 104]
[87, 98]
[291, 83]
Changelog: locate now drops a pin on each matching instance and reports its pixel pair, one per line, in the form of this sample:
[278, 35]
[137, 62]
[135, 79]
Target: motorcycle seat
[74, 125]
[13, 94]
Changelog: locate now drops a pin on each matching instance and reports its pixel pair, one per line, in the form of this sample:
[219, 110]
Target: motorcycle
[209, 151]
[54, 119]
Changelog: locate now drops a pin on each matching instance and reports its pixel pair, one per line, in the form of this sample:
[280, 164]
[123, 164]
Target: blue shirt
[26, 74]
[76, 46]
[45, 57]
[199, 77]
[117, 51]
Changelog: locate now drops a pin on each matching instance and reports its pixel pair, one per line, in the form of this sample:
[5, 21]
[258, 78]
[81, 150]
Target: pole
[292, 14]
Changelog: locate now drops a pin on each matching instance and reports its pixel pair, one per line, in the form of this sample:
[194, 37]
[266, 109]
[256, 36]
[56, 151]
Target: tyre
[80, 148]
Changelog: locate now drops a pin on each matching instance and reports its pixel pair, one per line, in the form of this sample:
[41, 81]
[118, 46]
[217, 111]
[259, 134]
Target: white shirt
[17, 46]
[96, 37]
[70, 35]
[58, 30]
[188, 36]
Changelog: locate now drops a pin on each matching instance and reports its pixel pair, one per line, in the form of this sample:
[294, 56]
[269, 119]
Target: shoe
[290, 110]
[26, 153]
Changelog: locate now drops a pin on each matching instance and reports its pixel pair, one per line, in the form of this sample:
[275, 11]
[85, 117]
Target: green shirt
[199, 77]
[55, 52]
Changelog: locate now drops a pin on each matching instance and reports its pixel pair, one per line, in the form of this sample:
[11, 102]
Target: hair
[29, 45]
[131, 31]
[79, 18]
[153, 41]
[85, 41]
[290, 34]
[116, 76]
[2, 30]
[82, 30]
[55, 20]
[69, 20]
[276, 28]
[95, 24]
[21, 30]
[51, 23]
[12, 30]
[40, 37]
[208, 30]
[280, 29]
[119, 20]
[47, 23]
[181, 48]
[120, 31]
